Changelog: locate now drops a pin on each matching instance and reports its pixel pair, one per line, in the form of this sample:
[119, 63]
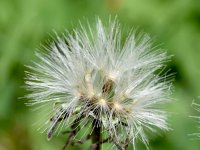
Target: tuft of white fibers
[89, 78]
[196, 107]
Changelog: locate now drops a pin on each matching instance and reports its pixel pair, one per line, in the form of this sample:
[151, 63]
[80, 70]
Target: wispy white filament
[92, 74]
[196, 107]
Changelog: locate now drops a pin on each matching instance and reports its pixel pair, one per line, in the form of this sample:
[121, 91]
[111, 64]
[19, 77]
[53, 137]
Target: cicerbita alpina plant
[93, 80]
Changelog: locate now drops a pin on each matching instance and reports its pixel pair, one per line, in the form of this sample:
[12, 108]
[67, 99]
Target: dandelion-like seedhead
[89, 78]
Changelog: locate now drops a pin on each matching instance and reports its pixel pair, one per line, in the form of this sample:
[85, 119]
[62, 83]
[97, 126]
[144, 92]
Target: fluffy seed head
[91, 75]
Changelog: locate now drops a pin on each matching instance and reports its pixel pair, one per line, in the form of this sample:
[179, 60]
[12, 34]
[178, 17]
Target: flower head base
[94, 79]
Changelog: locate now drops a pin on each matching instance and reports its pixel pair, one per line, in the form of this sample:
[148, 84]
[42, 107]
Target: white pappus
[196, 106]
[91, 79]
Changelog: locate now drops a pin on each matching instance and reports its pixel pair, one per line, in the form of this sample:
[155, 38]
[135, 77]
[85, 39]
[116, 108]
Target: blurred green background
[25, 24]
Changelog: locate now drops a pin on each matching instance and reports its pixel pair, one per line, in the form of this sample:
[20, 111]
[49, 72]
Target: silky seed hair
[196, 106]
[90, 78]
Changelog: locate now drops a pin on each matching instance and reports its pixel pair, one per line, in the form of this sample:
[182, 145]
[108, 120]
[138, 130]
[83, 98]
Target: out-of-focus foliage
[25, 24]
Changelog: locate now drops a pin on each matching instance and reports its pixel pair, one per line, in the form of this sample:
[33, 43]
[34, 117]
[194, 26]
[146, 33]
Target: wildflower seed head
[89, 76]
